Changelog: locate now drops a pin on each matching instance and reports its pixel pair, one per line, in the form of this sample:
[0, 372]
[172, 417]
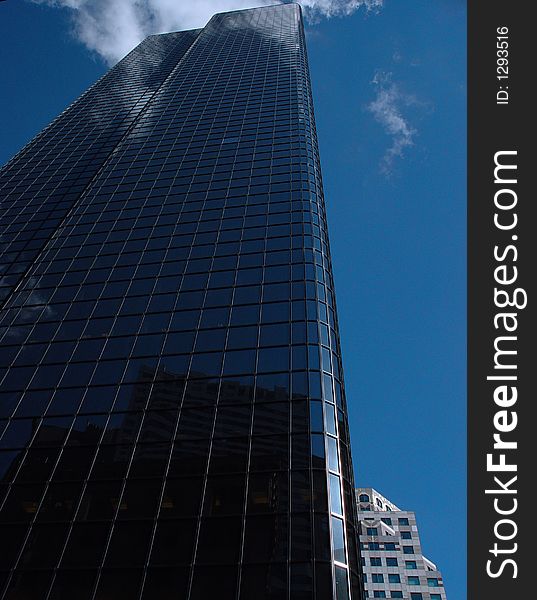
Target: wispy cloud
[111, 28]
[387, 108]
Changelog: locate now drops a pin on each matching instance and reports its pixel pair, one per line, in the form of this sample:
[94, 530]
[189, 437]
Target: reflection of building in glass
[172, 414]
[392, 559]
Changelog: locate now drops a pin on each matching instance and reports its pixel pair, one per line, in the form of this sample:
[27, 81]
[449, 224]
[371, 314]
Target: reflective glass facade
[172, 412]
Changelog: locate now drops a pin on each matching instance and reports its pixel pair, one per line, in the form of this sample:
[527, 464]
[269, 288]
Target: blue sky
[390, 98]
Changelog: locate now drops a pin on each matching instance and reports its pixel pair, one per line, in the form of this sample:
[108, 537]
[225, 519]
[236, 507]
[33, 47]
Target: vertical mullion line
[246, 62]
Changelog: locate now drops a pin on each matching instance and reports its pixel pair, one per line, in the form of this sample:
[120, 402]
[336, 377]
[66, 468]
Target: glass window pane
[335, 495]
[338, 540]
[342, 589]
[333, 461]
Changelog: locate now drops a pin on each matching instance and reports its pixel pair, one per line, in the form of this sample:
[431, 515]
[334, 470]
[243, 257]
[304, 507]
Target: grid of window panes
[44, 180]
[392, 561]
[174, 412]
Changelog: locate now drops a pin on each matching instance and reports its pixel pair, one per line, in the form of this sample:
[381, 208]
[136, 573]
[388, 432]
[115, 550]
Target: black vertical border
[492, 128]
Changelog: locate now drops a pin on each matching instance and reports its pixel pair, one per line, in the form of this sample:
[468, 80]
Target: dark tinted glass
[172, 414]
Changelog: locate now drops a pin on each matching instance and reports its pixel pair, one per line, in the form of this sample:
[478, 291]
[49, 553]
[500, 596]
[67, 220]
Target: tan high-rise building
[392, 558]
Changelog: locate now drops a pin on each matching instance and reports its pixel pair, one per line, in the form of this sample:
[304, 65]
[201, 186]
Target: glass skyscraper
[172, 413]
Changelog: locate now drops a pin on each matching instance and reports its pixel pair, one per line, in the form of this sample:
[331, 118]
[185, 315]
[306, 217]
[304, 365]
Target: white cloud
[386, 108]
[111, 28]
[338, 8]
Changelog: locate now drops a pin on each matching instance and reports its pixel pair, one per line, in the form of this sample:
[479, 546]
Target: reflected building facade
[172, 412]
